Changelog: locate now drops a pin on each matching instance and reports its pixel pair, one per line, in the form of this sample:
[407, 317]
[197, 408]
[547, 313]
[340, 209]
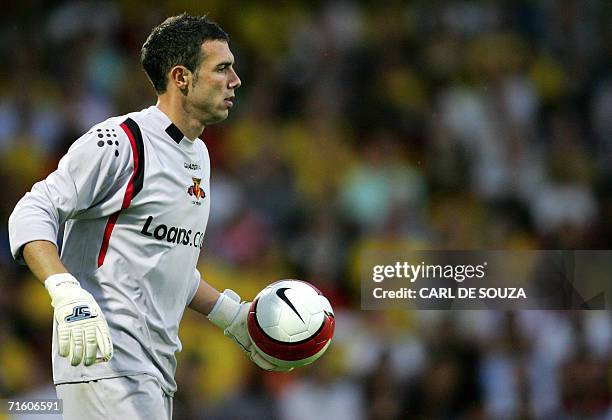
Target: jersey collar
[174, 132]
[171, 130]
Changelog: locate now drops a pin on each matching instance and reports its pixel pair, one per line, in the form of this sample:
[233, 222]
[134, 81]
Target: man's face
[214, 83]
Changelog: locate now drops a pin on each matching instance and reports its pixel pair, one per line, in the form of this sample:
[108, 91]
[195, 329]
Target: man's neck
[189, 126]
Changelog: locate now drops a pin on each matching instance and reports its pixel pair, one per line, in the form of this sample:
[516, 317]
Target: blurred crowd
[396, 124]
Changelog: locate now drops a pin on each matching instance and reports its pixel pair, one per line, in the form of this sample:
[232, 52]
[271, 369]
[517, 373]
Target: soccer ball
[291, 323]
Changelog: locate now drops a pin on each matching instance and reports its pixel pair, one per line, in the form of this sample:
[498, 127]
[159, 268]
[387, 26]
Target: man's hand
[81, 326]
[231, 316]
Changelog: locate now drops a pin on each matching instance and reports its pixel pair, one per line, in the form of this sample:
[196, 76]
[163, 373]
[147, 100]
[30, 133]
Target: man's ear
[180, 76]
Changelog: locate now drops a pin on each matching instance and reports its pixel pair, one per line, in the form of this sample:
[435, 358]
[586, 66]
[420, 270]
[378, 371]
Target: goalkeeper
[134, 194]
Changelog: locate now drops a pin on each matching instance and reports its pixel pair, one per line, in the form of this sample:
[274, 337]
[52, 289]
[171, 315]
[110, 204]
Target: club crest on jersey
[195, 190]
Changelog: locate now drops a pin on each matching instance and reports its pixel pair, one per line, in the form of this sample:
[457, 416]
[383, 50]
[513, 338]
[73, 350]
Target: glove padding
[231, 316]
[81, 327]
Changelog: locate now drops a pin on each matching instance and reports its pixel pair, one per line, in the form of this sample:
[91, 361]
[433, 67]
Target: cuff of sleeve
[194, 290]
[24, 239]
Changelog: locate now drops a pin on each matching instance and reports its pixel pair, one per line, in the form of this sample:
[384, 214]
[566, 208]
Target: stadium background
[432, 125]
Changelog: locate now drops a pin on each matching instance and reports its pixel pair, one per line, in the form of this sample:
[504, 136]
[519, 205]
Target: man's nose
[235, 80]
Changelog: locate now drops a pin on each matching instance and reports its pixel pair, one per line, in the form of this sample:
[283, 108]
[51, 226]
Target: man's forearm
[43, 259]
[205, 298]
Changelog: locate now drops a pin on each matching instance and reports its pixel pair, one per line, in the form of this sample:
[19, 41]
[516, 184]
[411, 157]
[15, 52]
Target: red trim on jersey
[107, 233]
[127, 199]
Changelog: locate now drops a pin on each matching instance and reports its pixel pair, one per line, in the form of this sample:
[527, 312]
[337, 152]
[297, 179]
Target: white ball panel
[315, 322]
[291, 323]
[300, 336]
[277, 334]
[270, 316]
[325, 304]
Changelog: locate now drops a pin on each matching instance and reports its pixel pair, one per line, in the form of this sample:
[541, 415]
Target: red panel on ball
[290, 351]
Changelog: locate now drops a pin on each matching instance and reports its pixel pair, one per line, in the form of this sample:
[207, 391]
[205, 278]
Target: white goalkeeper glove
[231, 316]
[81, 326]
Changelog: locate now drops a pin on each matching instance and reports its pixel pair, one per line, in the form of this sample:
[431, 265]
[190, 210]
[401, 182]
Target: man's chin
[214, 119]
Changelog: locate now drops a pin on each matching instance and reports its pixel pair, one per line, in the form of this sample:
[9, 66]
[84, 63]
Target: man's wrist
[225, 309]
[61, 285]
[55, 280]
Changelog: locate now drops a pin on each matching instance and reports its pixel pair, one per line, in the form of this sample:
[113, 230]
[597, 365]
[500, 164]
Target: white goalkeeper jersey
[134, 194]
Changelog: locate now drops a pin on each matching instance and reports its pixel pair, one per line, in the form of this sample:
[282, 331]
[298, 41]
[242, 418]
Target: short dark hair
[177, 41]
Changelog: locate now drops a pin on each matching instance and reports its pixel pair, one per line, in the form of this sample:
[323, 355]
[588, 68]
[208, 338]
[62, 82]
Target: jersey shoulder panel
[105, 143]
